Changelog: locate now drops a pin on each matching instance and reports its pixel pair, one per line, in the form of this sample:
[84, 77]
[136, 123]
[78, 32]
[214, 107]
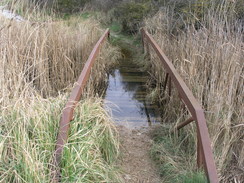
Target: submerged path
[133, 113]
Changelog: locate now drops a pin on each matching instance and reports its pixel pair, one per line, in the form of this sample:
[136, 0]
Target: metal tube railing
[68, 111]
[204, 152]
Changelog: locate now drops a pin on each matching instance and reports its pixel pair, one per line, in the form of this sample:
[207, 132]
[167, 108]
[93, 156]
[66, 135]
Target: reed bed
[49, 55]
[209, 57]
[39, 63]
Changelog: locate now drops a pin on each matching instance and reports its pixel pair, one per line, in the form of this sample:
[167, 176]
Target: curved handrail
[204, 151]
[68, 111]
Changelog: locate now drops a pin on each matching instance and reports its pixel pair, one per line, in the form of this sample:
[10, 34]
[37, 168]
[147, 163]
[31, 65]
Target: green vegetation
[131, 15]
[175, 156]
[27, 146]
[115, 27]
[70, 6]
[85, 15]
[189, 12]
[92, 147]
[28, 134]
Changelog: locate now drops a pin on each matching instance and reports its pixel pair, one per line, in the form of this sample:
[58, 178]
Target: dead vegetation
[39, 63]
[210, 60]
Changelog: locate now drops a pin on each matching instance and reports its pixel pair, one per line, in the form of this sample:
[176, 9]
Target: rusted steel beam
[188, 121]
[194, 108]
[68, 111]
[200, 160]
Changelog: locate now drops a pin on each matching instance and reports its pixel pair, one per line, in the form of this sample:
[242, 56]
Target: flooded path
[126, 94]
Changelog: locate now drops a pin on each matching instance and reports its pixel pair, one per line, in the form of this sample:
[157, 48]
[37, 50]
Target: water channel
[125, 96]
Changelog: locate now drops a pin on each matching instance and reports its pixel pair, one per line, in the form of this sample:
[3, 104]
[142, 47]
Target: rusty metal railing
[68, 111]
[204, 152]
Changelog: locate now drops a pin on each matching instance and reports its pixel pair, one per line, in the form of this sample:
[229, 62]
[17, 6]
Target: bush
[131, 14]
[240, 9]
[105, 5]
[70, 6]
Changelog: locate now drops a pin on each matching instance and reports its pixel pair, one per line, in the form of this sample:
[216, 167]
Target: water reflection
[126, 97]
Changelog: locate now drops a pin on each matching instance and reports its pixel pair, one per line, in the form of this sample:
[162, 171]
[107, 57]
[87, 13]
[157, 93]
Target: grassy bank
[93, 146]
[28, 136]
[208, 53]
[174, 155]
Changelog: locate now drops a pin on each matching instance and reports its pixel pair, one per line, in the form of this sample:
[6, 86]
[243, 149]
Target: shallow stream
[125, 96]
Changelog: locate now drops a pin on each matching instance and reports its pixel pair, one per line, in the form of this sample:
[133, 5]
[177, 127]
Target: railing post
[142, 40]
[170, 86]
[108, 34]
[165, 81]
[147, 48]
[200, 158]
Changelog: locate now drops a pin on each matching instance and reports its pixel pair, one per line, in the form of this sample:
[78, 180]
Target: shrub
[105, 5]
[131, 15]
[70, 6]
[240, 9]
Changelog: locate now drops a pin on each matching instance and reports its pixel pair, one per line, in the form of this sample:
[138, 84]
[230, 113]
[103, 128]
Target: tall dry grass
[39, 63]
[210, 60]
[47, 56]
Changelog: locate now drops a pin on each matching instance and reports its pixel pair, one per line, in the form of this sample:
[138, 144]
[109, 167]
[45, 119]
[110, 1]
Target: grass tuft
[173, 153]
[92, 146]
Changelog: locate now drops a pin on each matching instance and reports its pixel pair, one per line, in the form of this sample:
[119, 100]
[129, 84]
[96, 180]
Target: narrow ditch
[126, 94]
[126, 99]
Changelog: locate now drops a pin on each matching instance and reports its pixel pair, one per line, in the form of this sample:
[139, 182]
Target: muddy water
[125, 96]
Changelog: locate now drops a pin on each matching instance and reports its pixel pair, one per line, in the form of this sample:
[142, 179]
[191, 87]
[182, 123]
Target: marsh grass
[28, 135]
[27, 145]
[173, 152]
[93, 142]
[39, 63]
[50, 56]
[210, 60]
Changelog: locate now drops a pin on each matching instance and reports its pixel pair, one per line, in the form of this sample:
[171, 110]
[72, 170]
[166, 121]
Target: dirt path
[135, 161]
